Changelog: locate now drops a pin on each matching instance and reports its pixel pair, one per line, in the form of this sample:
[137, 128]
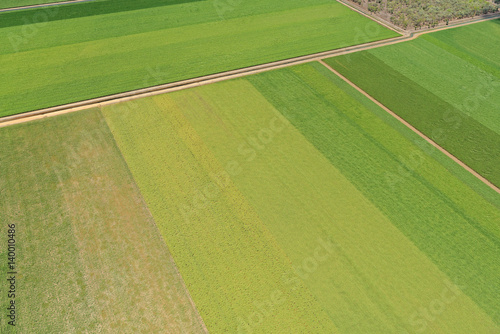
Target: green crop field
[280, 202]
[289, 200]
[75, 52]
[88, 255]
[445, 84]
[229, 260]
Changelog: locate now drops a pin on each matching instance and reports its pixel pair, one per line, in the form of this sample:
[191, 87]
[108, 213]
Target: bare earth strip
[485, 181]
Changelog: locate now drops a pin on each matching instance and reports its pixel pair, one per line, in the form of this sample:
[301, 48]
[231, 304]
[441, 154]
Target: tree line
[416, 14]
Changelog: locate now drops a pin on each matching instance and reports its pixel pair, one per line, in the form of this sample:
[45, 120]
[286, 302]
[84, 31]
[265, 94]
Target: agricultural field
[69, 53]
[88, 254]
[284, 200]
[289, 200]
[445, 84]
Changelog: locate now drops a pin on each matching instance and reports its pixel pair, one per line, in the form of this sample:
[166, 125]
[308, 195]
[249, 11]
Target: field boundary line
[42, 5]
[217, 77]
[158, 233]
[411, 127]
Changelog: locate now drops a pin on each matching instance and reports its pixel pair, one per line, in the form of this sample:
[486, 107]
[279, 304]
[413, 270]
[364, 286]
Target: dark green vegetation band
[72, 11]
[471, 142]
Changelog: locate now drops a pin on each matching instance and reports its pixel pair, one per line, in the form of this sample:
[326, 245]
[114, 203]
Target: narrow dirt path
[430, 141]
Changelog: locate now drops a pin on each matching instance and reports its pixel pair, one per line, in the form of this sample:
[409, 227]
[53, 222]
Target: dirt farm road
[242, 72]
[412, 128]
[222, 76]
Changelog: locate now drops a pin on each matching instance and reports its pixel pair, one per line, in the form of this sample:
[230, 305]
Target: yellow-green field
[280, 202]
[292, 183]
[89, 256]
[445, 84]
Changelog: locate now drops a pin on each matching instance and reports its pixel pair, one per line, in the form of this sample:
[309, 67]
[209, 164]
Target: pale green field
[89, 256]
[229, 259]
[291, 178]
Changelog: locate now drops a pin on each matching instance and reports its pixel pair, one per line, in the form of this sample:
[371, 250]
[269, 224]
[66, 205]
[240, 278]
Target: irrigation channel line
[222, 76]
[43, 5]
[430, 141]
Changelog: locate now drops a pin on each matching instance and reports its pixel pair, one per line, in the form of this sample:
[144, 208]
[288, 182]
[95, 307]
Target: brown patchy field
[89, 257]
